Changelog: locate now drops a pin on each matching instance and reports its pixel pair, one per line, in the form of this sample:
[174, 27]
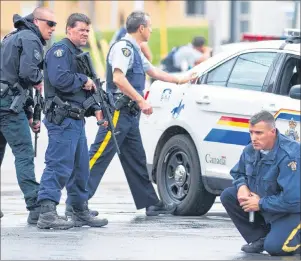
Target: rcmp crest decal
[59, 53]
[292, 132]
[126, 52]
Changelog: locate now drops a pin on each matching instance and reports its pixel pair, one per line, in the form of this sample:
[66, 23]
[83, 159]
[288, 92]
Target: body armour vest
[134, 75]
[76, 98]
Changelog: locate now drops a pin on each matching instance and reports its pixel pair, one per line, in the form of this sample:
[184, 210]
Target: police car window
[251, 70]
[220, 75]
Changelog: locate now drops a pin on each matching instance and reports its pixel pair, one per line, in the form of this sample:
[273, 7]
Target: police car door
[229, 94]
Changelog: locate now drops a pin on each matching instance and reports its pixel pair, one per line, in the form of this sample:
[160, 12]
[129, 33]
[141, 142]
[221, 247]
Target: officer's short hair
[264, 116]
[77, 17]
[135, 19]
[39, 11]
[198, 41]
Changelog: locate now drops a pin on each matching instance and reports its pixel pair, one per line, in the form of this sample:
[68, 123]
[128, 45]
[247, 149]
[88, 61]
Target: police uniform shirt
[122, 55]
[186, 57]
[61, 69]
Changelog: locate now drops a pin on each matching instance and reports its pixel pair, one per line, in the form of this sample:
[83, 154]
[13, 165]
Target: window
[244, 7]
[220, 75]
[244, 26]
[195, 7]
[250, 71]
[290, 75]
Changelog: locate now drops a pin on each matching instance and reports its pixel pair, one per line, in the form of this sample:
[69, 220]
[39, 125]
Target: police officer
[126, 67]
[67, 87]
[21, 63]
[121, 32]
[267, 182]
[185, 57]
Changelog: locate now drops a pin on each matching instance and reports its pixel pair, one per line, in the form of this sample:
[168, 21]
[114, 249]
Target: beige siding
[103, 13]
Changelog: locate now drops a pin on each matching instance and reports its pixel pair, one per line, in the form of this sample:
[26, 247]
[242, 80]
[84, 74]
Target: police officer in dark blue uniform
[21, 69]
[67, 88]
[126, 67]
[267, 182]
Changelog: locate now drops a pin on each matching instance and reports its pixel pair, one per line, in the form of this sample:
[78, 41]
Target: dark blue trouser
[67, 162]
[15, 131]
[132, 158]
[282, 235]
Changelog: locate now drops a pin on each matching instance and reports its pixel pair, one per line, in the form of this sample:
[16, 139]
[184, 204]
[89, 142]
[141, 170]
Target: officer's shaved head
[44, 19]
[135, 19]
[264, 116]
[40, 12]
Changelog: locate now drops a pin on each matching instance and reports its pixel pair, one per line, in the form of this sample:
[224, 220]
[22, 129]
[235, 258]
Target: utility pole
[163, 29]
[233, 21]
[214, 24]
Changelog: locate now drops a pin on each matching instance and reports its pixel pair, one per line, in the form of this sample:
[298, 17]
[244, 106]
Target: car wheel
[179, 177]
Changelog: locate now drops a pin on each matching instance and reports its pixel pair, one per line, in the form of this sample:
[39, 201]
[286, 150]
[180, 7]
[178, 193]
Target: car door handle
[270, 107]
[204, 100]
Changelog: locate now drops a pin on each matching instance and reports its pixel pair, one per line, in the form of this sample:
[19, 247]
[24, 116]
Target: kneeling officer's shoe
[254, 247]
[161, 208]
[82, 217]
[50, 219]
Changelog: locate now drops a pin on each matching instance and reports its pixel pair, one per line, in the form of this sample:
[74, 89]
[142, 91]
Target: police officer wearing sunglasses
[20, 72]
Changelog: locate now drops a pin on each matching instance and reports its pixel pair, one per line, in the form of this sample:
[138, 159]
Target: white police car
[198, 131]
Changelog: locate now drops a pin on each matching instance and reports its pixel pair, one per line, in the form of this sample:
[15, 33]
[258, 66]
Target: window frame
[287, 56]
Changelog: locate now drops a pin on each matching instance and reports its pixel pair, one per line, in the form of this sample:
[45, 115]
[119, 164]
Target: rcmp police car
[198, 131]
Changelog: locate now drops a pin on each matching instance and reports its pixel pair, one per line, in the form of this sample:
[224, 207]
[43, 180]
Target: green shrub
[176, 36]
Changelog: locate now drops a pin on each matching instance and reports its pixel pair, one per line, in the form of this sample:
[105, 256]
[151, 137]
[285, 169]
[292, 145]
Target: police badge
[59, 53]
[291, 132]
[293, 165]
[126, 52]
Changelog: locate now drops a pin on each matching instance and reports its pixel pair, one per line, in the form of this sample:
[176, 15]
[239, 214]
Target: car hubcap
[177, 174]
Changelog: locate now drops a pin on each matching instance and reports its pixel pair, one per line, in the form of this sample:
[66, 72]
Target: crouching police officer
[67, 88]
[21, 63]
[267, 181]
[126, 67]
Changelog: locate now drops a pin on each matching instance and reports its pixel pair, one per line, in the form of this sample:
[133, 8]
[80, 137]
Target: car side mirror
[295, 92]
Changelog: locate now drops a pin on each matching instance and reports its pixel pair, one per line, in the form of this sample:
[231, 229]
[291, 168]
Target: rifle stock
[101, 94]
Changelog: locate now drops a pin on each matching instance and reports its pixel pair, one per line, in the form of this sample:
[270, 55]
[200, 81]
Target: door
[231, 94]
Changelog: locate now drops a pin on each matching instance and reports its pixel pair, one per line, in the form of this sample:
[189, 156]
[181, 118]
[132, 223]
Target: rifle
[101, 98]
[38, 106]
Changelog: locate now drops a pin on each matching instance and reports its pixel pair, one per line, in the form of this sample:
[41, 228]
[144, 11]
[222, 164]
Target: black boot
[69, 211]
[33, 216]
[254, 247]
[50, 219]
[82, 217]
[1, 215]
[161, 208]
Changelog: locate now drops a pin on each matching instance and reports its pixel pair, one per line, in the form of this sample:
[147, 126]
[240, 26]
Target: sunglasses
[49, 23]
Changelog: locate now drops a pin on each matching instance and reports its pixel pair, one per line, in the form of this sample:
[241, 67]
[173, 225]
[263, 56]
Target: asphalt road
[130, 235]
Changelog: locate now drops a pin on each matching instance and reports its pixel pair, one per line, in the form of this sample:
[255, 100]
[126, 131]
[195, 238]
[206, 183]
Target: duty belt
[123, 102]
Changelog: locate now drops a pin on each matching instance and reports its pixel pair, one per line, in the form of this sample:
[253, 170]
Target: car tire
[179, 177]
